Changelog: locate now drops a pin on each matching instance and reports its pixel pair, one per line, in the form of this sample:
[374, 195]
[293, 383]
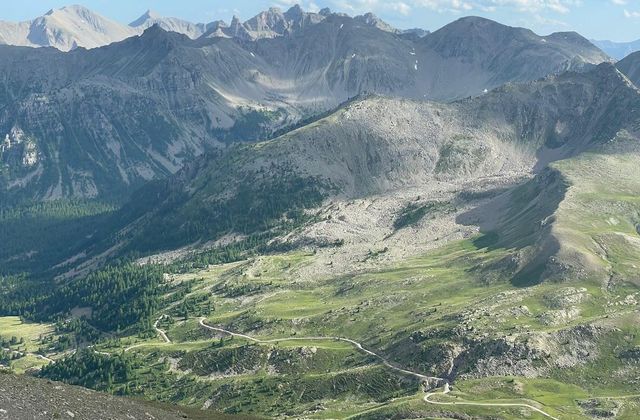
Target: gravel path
[428, 379]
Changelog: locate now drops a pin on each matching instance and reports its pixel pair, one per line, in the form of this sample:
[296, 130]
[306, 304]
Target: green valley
[568, 348]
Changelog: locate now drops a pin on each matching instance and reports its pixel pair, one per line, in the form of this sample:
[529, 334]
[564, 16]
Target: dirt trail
[160, 332]
[36, 355]
[357, 345]
[429, 379]
[446, 390]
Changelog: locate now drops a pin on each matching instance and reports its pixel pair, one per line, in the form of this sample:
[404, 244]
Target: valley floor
[304, 355]
[441, 333]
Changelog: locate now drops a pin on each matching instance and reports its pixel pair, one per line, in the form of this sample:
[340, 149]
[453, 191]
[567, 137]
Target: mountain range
[380, 146]
[313, 215]
[76, 26]
[151, 102]
[617, 50]
[65, 29]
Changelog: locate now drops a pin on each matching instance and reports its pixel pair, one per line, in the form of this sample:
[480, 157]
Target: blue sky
[617, 20]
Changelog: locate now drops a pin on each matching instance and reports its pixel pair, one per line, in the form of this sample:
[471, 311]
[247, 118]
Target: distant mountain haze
[65, 29]
[76, 26]
[618, 50]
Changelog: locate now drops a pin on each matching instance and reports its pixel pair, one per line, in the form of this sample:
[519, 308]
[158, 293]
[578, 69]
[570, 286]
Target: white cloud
[309, 5]
[363, 6]
[631, 14]
[461, 6]
[401, 7]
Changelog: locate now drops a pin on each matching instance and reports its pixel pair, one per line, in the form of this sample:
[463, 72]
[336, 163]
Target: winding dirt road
[429, 379]
[357, 345]
[427, 399]
[160, 332]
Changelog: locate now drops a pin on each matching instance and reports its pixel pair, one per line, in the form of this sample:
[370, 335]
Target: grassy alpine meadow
[23, 344]
[30, 333]
[430, 292]
[263, 336]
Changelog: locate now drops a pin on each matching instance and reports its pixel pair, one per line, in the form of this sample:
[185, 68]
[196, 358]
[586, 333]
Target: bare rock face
[373, 20]
[379, 146]
[275, 23]
[18, 152]
[531, 356]
[144, 106]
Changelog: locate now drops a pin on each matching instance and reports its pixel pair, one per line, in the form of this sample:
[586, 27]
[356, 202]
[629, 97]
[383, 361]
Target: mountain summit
[65, 29]
[268, 24]
[150, 18]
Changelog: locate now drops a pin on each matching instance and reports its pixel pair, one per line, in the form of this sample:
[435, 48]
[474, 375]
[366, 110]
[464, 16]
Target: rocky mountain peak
[75, 8]
[148, 15]
[153, 30]
[270, 23]
[295, 12]
[610, 77]
[151, 14]
[150, 18]
[270, 20]
[65, 29]
[157, 38]
[480, 26]
[373, 20]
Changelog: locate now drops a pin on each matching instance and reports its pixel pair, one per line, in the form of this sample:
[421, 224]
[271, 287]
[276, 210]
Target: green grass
[413, 312]
[27, 363]
[30, 332]
[32, 336]
[598, 221]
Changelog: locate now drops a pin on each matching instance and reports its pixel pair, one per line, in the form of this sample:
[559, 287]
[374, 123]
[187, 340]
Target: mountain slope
[413, 230]
[150, 102]
[65, 29]
[147, 104]
[150, 18]
[630, 67]
[27, 397]
[474, 53]
[379, 147]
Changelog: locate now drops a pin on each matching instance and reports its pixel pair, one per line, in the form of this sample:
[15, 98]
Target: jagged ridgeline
[100, 123]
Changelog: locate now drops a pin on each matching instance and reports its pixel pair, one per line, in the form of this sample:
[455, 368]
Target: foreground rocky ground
[24, 397]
